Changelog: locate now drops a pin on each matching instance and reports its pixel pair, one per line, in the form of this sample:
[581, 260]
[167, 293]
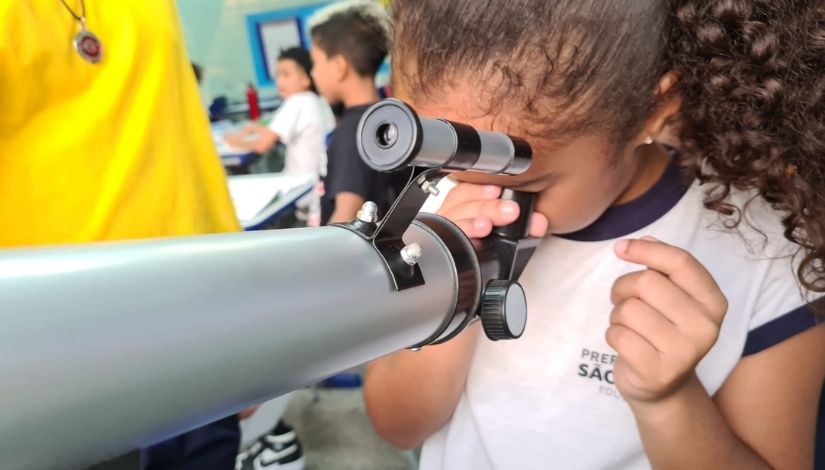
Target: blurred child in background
[349, 43]
[301, 123]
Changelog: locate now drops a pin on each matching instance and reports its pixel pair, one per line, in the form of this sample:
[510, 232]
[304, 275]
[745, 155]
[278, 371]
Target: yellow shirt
[115, 150]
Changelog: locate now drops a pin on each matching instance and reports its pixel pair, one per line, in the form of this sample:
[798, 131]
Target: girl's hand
[476, 209]
[665, 319]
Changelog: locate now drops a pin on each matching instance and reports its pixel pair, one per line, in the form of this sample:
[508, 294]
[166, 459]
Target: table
[262, 198]
[233, 158]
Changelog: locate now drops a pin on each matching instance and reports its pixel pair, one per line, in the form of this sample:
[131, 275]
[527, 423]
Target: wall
[217, 38]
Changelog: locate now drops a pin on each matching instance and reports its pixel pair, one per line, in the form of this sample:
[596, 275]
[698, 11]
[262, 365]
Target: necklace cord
[82, 17]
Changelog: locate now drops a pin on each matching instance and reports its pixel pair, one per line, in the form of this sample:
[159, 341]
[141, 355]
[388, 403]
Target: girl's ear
[668, 105]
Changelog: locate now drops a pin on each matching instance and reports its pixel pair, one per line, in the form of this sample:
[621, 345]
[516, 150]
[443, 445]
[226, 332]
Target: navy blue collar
[624, 219]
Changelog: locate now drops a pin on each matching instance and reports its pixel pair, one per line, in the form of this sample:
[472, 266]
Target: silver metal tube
[495, 147]
[108, 347]
[438, 147]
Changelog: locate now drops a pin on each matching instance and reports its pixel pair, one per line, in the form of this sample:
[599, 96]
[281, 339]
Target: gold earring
[648, 140]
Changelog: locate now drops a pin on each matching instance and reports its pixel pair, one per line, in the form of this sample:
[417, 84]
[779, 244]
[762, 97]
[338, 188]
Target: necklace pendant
[88, 46]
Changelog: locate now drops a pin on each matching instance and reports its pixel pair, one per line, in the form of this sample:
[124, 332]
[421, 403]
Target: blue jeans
[213, 446]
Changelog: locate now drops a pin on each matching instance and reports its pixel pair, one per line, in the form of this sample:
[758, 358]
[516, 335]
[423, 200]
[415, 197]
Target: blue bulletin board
[272, 31]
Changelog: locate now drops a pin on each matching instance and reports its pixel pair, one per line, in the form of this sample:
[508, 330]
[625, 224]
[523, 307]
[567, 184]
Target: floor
[334, 431]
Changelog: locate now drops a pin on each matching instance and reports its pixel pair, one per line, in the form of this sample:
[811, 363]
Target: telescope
[108, 347]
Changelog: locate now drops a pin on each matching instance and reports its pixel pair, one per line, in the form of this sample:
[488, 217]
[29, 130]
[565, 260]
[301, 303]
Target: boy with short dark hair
[350, 41]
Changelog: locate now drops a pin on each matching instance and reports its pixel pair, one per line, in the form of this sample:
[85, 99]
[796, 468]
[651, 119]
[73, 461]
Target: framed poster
[273, 31]
[275, 36]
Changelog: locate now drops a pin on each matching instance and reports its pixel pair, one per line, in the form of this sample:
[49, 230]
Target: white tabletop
[259, 197]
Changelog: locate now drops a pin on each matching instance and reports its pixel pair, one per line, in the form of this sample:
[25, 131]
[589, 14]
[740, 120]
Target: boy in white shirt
[301, 123]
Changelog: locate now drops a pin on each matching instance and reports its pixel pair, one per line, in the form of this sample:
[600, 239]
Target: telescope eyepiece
[392, 136]
[386, 135]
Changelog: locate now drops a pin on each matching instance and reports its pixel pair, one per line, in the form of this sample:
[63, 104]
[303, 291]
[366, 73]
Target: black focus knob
[503, 310]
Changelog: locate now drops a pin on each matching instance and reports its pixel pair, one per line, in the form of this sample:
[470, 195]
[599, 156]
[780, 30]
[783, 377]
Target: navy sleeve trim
[780, 329]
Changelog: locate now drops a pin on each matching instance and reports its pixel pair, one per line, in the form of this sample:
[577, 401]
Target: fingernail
[479, 224]
[621, 246]
[508, 207]
[491, 190]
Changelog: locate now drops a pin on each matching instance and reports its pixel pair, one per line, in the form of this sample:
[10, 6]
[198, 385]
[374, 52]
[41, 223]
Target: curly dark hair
[751, 76]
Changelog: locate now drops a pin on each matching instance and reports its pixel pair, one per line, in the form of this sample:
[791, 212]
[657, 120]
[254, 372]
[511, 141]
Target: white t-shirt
[546, 400]
[302, 123]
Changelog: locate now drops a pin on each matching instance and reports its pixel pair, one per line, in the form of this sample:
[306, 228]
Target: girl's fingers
[637, 352]
[680, 267]
[465, 192]
[647, 322]
[499, 212]
[658, 291]
[539, 225]
[477, 209]
[475, 227]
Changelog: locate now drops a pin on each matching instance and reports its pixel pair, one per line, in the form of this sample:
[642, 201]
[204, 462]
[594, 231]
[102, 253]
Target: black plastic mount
[512, 244]
[387, 235]
[501, 256]
[390, 136]
[467, 276]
